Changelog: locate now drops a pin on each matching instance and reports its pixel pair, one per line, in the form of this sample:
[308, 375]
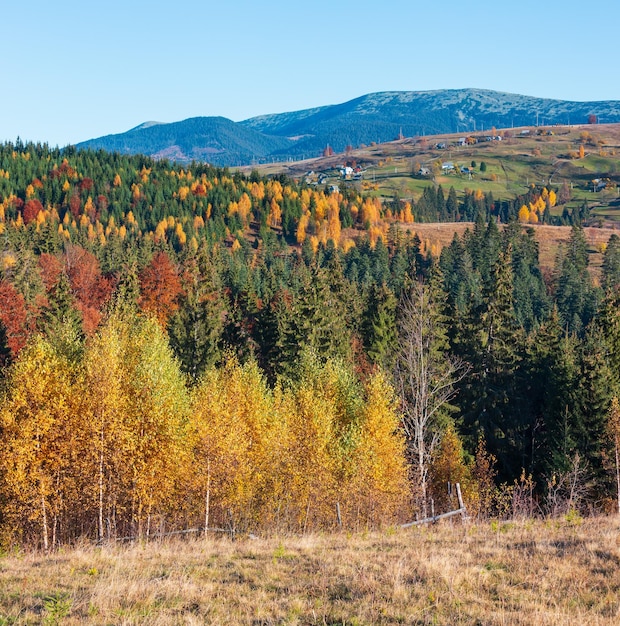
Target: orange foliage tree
[160, 286]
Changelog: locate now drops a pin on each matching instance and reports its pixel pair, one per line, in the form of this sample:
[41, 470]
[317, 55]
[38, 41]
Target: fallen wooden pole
[431, 520]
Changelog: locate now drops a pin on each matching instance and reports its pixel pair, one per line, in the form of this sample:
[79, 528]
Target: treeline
[533, 207]
[156, 375]
[105, 440]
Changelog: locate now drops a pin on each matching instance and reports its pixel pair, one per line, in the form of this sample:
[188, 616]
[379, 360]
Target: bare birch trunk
[101, 531]
[45, 527]
[208, 497]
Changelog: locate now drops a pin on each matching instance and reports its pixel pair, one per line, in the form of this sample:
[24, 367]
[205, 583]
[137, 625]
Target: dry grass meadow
[494, 573]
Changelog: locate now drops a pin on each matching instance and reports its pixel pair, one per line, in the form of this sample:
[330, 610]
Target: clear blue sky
[75, 70]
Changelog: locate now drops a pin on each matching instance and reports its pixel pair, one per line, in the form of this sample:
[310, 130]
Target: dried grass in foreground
[555, 572]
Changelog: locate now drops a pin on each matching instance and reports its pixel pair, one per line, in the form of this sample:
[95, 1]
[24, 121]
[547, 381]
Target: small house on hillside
[447, 166]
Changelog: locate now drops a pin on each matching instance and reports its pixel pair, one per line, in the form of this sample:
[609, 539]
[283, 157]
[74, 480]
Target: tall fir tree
[575, 295]
[61, 321]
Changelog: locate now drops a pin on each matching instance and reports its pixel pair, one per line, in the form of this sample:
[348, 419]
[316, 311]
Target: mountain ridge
[375, 117]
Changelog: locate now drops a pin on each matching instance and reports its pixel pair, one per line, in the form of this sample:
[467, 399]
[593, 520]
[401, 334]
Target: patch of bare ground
[528, 572]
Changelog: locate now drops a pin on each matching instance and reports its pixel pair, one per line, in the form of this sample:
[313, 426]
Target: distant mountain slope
[381, 116]
[216, 140]
[374, 117]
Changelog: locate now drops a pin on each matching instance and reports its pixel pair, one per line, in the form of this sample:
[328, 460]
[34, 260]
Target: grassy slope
[554, 572]
[516, 163]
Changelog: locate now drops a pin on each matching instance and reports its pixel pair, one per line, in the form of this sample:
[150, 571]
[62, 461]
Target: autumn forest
[189, 348]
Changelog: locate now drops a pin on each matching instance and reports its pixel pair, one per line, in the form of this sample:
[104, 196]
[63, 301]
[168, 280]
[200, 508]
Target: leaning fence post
[461, 503]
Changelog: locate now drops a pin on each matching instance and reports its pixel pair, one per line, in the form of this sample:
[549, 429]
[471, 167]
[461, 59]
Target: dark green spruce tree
[61, 321]
[196, 328]
[575, 295]
[492, 397]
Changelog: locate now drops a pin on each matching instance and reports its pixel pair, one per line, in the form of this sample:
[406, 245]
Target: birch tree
[425, 378]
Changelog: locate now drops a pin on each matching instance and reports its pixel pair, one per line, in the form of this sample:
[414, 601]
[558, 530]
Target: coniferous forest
[184, 347]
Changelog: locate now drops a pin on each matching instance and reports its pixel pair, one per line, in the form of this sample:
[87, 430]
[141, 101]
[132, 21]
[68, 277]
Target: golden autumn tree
[156, 423]
[109, 438]
[237, 442]
[274, 218]
[334, 226]
[312, 485]
[40, 430]
[407, 215]
[552, 198]
[524, 214]
[447, 468]
[302, 228]
[324, 430]
[379, 489]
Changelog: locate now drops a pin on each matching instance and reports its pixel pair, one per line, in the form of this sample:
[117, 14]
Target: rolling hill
[377, 117]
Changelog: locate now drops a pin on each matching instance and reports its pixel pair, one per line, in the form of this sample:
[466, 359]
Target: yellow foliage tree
[524, 214]
[302, 227]
[257, 190]
[407, 214]
[379, 489]
[275, 214]
[109, 437]
[40, 426]
[244, 208]
[447, 468]
[237, 441]
[156, 421]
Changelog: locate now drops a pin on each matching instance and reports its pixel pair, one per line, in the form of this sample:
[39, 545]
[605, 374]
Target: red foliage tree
[65, 168]
[51, 267]
[160, 288]
[13, 315]
[75, 205]
[90, 288]
[31, 210]
[86, 184]
[102, 204]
